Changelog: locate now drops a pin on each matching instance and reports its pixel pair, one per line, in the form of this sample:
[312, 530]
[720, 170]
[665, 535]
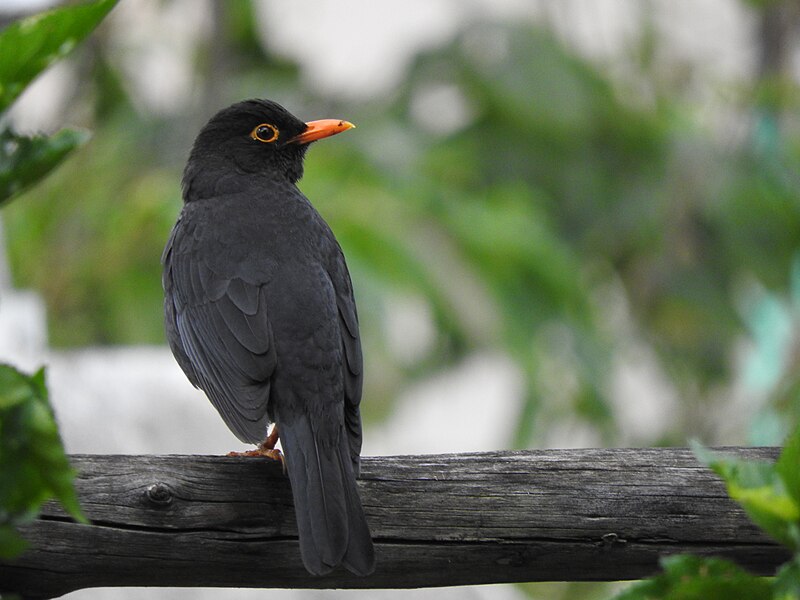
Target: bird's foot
[265, 449]
[272, 453]
[261, 452]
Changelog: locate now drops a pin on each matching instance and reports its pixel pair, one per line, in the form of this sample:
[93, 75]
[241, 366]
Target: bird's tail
[330, 519]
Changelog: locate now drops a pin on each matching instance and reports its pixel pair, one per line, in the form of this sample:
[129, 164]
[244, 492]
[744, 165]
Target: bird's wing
[219, 331]
[352, 366]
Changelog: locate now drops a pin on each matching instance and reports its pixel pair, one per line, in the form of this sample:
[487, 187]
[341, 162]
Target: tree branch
[444, 520]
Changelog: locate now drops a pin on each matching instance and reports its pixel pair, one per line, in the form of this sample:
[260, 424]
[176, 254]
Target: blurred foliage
[98, 239]
[531, 202]
[770, 494]
[688, 577]
[33, 466]
[25, 160]
[31, 45]
[28, 47]
[770, 372]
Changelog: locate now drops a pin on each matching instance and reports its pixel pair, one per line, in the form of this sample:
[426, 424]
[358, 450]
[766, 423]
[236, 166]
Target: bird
[260, 314]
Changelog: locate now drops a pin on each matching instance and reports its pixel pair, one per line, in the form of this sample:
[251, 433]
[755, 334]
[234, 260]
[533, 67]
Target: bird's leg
[272, 439]
[266, 448]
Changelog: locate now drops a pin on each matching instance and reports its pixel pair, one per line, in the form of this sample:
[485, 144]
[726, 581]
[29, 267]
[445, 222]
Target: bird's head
[254, 137]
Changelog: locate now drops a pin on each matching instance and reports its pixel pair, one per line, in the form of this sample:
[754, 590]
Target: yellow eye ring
[264, 133]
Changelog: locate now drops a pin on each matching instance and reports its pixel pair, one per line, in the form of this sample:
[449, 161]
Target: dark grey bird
[260, 315]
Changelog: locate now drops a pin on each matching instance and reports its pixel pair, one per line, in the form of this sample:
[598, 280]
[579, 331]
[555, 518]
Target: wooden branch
[444, 520]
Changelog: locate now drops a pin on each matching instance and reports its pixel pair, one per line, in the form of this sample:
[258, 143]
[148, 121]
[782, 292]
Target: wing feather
[219, 330]
[352, 367]
[243, 295]
[248, 329]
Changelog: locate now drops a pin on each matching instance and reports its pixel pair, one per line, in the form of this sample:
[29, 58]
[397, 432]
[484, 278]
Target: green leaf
[26, 160]
[31, 45]
[11, 544]
[33, 466]
[787, 582]
[788, 466]
[688, 577]
[762, 491]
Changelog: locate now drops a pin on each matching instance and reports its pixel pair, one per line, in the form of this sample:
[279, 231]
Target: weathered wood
[493, 517]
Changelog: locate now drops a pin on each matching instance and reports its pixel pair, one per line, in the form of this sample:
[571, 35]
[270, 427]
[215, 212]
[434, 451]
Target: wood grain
[550, 515]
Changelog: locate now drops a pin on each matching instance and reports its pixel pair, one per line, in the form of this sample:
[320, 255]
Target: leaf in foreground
[787, 582]
[765, 490]
[25, 160]
[33, 466]
[31, 45]
[688, 577]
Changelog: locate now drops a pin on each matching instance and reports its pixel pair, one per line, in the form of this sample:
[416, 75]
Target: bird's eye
[265, 133]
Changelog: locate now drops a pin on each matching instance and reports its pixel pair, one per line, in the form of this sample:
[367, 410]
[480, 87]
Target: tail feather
[330, 519]
[360, 555]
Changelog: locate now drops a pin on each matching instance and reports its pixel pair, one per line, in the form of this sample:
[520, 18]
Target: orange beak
[316, 130]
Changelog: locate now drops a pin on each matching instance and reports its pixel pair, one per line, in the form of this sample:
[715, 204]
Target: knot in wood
[611, 539]
[159, 494]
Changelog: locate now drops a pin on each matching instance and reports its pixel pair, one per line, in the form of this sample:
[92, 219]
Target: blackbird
[260, 314]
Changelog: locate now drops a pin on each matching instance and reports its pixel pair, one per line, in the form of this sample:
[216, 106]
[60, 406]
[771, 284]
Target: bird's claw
[265, 449]
[261, 452]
